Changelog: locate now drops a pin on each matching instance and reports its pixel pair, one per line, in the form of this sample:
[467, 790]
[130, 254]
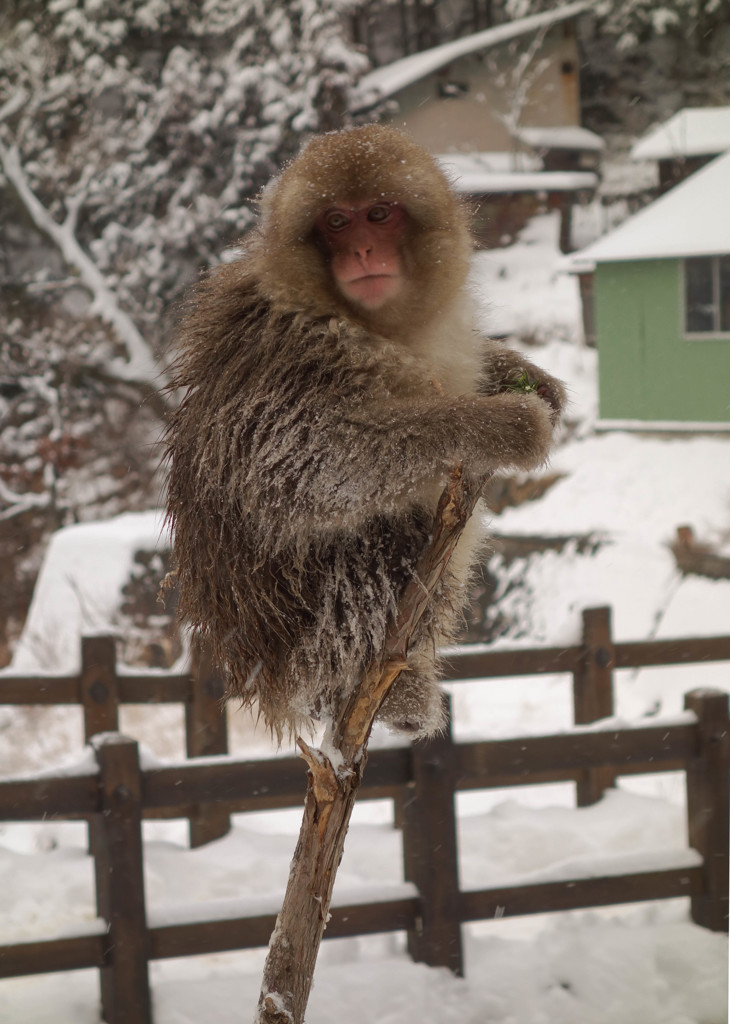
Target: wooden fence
[101, 688]
[423, 779]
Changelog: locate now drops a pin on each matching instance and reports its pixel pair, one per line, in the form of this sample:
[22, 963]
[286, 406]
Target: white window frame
[714, 334]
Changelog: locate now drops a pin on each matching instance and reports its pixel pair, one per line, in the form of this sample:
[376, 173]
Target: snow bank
[78, 590]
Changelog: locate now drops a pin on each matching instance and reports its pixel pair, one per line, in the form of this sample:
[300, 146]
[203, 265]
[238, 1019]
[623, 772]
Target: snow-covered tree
[633, 22]
[636, 21]
[134, 135]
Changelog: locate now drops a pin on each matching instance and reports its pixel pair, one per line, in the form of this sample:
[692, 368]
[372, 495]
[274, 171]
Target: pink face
[364, 241]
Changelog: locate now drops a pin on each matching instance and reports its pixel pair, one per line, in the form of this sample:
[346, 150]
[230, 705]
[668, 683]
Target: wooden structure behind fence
[423, 778]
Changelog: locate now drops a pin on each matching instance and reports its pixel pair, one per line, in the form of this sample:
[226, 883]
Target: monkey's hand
[553, 392]
[506, 370]
[517, 431]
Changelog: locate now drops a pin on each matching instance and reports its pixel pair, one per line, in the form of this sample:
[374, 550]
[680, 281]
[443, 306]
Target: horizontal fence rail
[101, 687]
[468, 662]
[422, 779]
[280, 782]
[220, 935]
[475, 664]
[140, 688]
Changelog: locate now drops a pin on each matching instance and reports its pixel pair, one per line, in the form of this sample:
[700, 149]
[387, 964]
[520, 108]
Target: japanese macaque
[333, 378]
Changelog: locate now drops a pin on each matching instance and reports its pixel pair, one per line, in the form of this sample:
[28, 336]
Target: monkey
[331, 378]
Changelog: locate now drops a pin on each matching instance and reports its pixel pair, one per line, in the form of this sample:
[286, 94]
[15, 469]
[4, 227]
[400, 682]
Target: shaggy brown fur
[314, 438]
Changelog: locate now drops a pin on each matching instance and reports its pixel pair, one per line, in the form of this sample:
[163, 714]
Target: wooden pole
[593, 694]
[708, 805]
[206, 733]
[430, 853]
[99, 690]
[334, 774]
[125, 990]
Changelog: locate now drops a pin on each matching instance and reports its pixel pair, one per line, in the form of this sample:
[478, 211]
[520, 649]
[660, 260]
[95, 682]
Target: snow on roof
[565, 137]
[385, 81]
[494, 161]
[481, 173]
[692, 219]
[694, 131]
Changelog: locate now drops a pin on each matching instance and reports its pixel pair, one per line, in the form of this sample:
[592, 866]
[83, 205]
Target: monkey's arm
[507, 370]
[350, 463]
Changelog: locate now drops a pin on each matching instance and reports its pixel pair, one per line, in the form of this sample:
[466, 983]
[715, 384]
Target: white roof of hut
[569, 136]
[692, 219]
[694, 131]
[484, 173]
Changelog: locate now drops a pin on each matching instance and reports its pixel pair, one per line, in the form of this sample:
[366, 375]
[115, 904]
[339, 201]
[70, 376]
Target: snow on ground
[639, 965]
[652, 968]
[646, 964]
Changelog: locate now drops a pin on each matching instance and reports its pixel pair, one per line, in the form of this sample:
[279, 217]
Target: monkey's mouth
[372, 290]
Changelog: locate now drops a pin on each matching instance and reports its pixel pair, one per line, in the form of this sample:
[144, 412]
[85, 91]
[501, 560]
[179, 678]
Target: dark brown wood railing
[421, 779]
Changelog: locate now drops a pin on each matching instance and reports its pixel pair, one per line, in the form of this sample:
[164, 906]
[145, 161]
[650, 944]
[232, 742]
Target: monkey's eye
[380, 214]
[336, 221]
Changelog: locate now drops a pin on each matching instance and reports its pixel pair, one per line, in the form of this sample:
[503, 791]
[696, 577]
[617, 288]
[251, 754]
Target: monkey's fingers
[553, 399]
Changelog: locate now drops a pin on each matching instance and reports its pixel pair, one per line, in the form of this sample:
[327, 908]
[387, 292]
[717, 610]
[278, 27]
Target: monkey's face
[364, 241]
[363, 224]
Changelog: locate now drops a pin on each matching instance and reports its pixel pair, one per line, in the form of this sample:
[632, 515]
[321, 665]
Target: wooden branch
[334, 775]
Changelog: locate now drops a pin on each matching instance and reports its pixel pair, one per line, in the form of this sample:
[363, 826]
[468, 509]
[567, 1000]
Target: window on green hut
[707, 295]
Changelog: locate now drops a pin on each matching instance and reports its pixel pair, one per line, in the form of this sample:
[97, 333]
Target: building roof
[390, 79]
[692, 219]
[694, 131]
[570, 136]
[478, 174]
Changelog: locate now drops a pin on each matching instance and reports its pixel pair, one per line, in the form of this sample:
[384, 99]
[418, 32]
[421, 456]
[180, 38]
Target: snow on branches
[134, 137]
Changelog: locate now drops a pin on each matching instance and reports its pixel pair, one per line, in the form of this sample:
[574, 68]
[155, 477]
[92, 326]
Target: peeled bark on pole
[334, 775]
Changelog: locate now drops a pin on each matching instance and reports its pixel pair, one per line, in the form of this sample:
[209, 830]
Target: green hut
[661, 294]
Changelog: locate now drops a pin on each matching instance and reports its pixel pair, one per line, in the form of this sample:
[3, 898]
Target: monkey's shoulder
[238, 343]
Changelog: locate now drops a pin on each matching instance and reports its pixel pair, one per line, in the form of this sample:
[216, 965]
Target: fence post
[708, 801]
[430, 853]
[99, 692]
[593, 694]
[125, 992]
[206, 733]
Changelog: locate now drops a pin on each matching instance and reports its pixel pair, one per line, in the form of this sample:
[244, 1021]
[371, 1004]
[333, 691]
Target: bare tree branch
[16, 102]
[17, 504]
[142, 367]
[334, 775]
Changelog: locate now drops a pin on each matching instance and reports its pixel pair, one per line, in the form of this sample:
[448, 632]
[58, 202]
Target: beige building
[473, 94]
